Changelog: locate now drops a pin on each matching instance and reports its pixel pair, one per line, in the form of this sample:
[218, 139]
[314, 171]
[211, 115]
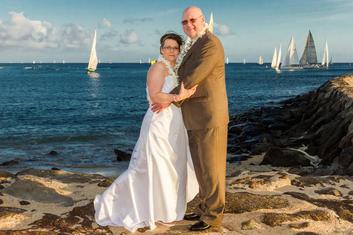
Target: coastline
[264, 194]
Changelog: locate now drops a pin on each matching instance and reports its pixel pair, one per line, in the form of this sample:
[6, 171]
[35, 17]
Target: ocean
[59, 107]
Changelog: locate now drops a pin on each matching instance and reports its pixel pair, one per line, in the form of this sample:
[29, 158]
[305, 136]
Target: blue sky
[48, 30]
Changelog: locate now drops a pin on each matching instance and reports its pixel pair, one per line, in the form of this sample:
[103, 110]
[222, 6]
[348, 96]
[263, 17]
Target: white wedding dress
[160, 179]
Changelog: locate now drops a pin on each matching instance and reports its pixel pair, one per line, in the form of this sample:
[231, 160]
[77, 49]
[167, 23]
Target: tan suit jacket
[204, 65]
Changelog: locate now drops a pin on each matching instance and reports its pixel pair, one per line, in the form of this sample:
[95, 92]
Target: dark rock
[78, 221]
[343, 208]
[309, 181]
[105, 183]
[10, 163]
[299, 225]
[329, 191]
[121, 155]
[23, 203]
[55, 169]
[345, 158]
[284, 157]
[234, 130]
[241, 202]
[277, 219]
[344, 186]
[1, 201]
[8, 211]
[6, 175]
[53, 153]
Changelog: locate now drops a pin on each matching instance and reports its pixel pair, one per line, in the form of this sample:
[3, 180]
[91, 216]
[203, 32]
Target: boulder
[121, 155]
[284, 157]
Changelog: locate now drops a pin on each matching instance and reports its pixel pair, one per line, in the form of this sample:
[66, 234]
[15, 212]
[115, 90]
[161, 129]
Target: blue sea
[46, 107]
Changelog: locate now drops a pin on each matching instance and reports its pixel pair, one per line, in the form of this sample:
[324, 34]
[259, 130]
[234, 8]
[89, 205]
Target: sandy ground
[260, 200]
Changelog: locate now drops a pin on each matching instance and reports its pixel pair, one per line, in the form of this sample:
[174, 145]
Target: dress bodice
[169, 84]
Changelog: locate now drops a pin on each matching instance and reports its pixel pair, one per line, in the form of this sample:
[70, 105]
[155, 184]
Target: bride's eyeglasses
[192, 20]
[171, 49]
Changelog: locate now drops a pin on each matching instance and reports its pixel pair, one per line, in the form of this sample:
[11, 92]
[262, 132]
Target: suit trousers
[208, 149]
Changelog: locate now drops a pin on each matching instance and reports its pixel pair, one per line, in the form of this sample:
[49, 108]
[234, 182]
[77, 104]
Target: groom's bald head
[193, 9]
[193, 21]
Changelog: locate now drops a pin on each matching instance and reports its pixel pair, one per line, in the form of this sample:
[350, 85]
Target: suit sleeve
[203, 66]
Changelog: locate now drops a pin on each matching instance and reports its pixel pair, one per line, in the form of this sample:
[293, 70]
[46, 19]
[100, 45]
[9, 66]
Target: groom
[205, 116]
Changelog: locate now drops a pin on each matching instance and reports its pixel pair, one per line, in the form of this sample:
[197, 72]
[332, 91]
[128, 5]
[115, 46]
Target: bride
[160, 179]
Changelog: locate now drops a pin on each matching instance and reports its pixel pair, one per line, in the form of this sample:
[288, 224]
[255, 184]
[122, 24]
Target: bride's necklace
[171, 71]
[187, 45]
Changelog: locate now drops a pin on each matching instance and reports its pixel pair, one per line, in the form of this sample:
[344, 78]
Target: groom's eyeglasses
[192, 20]
[171, 49]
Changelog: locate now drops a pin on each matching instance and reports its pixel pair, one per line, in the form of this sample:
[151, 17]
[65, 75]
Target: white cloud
[132, 20]
[20, 31]
[23, 32]
[112, 34]
[106, 23]
[73, 36]
[129, 37]
[223, 29]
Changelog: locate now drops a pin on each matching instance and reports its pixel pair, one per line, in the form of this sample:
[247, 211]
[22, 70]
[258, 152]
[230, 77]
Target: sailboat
[227, 60]
[93, 60]
[279, 58]
[244, 61]
[309, 57]
[325, 58]
[291, 61]
[211, 24]
[274, 59]
[261, 60]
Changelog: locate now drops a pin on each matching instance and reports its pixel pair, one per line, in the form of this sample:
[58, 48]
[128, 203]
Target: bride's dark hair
[171, 35]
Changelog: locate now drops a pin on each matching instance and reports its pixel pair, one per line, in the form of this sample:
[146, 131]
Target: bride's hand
[186, 93]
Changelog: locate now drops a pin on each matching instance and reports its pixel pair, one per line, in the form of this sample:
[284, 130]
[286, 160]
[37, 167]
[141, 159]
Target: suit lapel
[192, 49]
[186, 57]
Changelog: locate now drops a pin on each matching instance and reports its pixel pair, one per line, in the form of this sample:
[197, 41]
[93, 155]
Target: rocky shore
[289, 171]
[314, 129]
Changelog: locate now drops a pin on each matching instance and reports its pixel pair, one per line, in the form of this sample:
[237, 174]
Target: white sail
[261, 60]
[93, 60]
[211, 24]
[279, 57]
[244, 61]
[227, 60]
[325, 58]
[292, 55]
[274, 59]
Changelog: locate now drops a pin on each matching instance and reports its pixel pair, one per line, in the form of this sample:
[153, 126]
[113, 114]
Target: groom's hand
[158, 107]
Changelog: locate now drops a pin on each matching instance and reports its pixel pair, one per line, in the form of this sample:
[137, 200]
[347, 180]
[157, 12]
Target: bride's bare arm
[155, 80]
